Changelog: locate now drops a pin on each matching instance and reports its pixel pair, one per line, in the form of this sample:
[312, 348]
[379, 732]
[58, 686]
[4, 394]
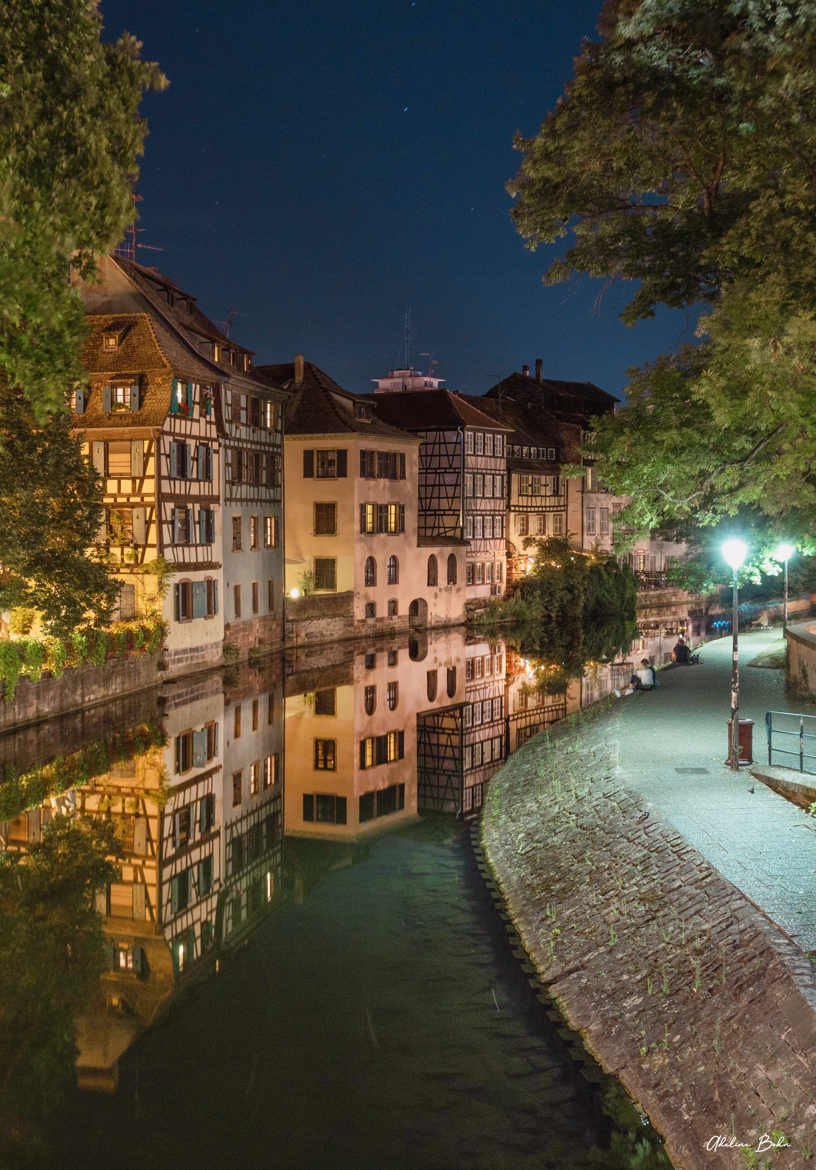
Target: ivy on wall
[33, 657]
[26, 790]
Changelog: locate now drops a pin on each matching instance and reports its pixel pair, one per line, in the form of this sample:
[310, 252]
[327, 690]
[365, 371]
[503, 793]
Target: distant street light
[734, 552]
[784, 552]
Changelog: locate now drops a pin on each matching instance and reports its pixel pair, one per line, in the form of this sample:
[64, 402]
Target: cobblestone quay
[678, 984]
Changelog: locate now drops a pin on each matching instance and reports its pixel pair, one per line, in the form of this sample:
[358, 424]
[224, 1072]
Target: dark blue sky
[320, 168]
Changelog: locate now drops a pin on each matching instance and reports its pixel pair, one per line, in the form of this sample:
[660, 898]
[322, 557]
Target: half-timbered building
[351, 536]
[462, 479]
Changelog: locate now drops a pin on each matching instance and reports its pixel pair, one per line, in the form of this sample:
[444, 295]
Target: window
[325, 573]
[204, 462]
[589, 521]
[478, 484]
[256, 596]
[254, 411]
[236, 722]
[270, 532]
[253, 532]
[488, 443]
[326, 702]
[479, 442]
[206, 813]
[469, 442]
[433, 573]
[370, 572]
[270, 770]
[325, 759]
[452, 569]
[451, 681]
[269, 415]
[558, 524]
[431, 685]
[236, 466]
[478, 527]
[469, 527]
[325, 808]
[206, 526]
[604, 518]
[393, 657]
[237, 536]
[393, 607]
[522, 524]
[498, 446]
[479, 573]
[254, 777]
[236, 600]
[183, 601]
[179, 460]
[469, 573]
[468, 484]
[325, 464]
[382, 749]
[181, 526]
[392, 696]
[541, 524]
[370, 700]
[371, 609]
[370, 661]
[392, 571]
[381, 803]
[325, 519]
[236, 789]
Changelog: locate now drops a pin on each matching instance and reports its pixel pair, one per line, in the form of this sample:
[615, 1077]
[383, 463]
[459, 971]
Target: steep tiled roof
[542, 429]
[580, 400]
[320, 406]
[419, 410]
[140, 355]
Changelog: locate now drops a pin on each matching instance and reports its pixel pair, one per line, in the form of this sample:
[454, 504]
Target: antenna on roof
[406, 338]
[129, 244]
[227, 325]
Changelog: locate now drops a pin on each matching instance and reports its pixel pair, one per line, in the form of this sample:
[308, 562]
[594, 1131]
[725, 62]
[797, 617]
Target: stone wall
[704, 1010]
[801, 664]
[264, 633]
[84, 686]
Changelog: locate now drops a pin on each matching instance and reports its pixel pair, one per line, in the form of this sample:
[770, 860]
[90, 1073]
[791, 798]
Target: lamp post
[784, 552]
[734, 552]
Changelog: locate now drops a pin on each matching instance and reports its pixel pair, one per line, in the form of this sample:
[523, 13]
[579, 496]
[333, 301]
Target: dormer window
[110, 342]
[360, 411]
[216, 352]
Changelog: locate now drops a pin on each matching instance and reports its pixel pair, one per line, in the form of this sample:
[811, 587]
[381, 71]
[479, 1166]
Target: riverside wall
[678, 985]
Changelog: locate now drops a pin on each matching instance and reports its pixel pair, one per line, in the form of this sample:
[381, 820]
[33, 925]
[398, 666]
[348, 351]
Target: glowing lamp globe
[784, 551]
[294, 594]
[734, 552]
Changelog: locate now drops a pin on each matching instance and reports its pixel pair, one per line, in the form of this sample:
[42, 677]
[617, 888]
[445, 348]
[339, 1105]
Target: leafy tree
[50, 511]
[571, 609]
[683, 156]
[69, 140]
[51, 956]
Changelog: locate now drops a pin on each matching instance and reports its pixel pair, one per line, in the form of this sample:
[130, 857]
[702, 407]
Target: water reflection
[320, 753]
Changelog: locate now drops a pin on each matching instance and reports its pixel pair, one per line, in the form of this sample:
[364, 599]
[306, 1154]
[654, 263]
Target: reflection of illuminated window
[431, 685]
[391, 695]
[370, 700]
[324, 808]
[325, 755]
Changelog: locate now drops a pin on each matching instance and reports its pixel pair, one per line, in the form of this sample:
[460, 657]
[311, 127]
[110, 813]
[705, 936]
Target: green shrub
[99, 650]
[34, 659]
[22, 620]
[10, 668]
[57, 653]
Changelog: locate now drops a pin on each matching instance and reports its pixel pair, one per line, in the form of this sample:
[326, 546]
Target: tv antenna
[127, 248]
[227, 325]
[406, 338]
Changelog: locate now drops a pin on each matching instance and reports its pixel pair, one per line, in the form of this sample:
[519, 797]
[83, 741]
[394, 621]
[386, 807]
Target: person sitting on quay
[644, 679]
[680, 653]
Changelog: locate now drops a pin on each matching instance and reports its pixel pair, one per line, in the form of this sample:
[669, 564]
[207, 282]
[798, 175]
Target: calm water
[304, 970]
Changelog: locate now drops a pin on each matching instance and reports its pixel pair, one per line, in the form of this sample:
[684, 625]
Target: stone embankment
[679, 986]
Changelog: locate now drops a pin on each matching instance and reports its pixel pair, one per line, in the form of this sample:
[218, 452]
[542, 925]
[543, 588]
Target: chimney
[526, 371]
[539, 363]
[298, 369]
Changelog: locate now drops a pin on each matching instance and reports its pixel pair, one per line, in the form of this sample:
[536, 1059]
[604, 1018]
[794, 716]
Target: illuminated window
[325, 758]
[253, 532]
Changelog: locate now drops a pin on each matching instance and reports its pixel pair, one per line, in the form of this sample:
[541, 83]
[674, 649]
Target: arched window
[392, 572]
[431, 685]
[433, 572]
[370, 700]
[452, 569]
[451, 681]
[370, 572]
[392, 696]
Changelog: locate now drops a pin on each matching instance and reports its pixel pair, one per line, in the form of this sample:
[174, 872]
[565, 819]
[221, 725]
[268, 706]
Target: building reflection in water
[372, 735]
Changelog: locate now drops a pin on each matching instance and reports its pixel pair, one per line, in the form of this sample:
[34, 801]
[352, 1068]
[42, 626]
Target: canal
[303, 969]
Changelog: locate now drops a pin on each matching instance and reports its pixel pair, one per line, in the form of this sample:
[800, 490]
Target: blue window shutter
[210, 526]
[173, 459]
[174, 397]
[342, 463]
[189, 398]
[138, 960]
[177, 606]
[106, 399]
[80, 400]
[199, 737]
[134, 396]
[202, 525]
[215, 596]
[176, 525]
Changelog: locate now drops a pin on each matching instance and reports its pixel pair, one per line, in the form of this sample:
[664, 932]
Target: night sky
[318, 169]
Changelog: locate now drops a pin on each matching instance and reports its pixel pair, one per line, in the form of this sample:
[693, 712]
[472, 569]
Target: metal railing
[801, 742]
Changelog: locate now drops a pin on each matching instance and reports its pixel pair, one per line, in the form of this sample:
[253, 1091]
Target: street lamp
[734, 552]
[784, 552]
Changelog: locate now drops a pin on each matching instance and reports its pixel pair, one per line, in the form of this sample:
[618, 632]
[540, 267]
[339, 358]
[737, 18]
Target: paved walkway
[755, 838]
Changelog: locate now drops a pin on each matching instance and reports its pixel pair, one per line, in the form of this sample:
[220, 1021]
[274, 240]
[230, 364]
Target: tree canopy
[50, 514]
[70, 136]
[682, 155]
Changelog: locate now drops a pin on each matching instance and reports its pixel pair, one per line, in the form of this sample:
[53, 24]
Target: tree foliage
[51, 956]
[70, 136]
[573, 608]
[683, 156]
[50, 512]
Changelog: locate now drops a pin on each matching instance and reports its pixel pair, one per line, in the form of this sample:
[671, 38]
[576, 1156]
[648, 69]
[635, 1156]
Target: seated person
[644, 678]
[680, 653]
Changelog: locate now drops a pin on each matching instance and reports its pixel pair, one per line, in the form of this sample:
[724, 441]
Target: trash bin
[745, 739]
